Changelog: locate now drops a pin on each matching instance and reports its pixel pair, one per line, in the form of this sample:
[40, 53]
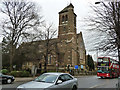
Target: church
[71, 47]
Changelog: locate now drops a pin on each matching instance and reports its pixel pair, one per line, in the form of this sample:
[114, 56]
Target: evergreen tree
[90, 62]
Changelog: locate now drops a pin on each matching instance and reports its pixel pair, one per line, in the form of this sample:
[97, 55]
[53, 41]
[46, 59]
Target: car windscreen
[47, 78]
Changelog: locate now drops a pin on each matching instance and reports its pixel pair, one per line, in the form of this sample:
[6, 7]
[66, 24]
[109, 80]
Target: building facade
[72, 44]
[70, 48]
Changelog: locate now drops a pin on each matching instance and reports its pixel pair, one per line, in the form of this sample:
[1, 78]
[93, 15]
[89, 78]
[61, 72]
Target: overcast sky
[50, 9]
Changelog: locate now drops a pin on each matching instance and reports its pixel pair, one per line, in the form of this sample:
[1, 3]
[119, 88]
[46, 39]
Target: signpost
[81, 66]
[76, 66]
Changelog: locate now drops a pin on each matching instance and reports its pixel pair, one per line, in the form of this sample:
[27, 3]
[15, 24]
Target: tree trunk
[45, 64]
[12, 52]
[11, 59]
[118, 40]
[119, 54]
[45, 67]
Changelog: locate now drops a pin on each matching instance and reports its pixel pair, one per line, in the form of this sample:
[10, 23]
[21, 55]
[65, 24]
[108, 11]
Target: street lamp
[97, 2]
[102, 3]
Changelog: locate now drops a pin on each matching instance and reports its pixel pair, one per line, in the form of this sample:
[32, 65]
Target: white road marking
[97, 85]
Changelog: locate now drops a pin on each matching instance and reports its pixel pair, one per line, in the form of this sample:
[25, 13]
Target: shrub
[15, 73]
[4, 71]
[20, 73]
[25, 74]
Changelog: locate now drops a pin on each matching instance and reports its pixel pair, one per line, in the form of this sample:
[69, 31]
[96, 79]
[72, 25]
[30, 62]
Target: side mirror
[59, 81]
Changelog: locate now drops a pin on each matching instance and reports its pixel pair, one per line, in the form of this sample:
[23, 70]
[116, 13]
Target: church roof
[66, 8]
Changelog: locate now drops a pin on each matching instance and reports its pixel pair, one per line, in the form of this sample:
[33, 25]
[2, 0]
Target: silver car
[51, 81]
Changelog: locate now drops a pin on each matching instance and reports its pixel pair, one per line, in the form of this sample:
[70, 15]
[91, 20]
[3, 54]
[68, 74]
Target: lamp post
[97, 54]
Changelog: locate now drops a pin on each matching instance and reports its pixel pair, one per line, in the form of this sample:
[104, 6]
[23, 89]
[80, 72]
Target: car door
[69, 80]
[63, 84]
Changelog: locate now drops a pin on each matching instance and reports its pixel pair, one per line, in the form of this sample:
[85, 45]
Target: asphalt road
[83, 82]
[96, 82]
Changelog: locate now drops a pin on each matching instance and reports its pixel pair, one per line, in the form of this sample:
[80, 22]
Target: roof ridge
[66, 8]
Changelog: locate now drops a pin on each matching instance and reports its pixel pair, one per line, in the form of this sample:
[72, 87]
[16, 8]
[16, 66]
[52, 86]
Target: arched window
[62, 18]
[66, 18]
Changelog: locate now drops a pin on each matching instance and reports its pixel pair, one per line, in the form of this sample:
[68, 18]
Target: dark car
[6, 78]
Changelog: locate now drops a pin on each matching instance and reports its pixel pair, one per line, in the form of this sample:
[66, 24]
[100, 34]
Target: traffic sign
[81, 66]
[76, 66]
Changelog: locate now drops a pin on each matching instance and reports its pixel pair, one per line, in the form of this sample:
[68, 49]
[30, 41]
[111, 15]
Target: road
[83, 82]
[96, 82]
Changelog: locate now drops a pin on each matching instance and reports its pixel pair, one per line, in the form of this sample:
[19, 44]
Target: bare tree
[106, 22]
[47, 42]
[19, 18]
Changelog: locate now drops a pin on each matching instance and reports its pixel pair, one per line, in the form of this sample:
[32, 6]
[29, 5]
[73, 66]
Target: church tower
[67, 35]
[67, 22]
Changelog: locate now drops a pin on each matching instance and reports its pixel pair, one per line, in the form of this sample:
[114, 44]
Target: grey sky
[50, 9]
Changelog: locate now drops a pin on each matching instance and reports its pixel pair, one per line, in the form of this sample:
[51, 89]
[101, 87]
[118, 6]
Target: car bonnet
[34, 84]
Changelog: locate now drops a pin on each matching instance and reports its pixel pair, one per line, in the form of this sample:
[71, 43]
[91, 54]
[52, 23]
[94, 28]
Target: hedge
[4, 71]
[20, 73]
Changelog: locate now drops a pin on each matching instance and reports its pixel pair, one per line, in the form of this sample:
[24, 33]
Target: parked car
[6, 78]
[48, 81]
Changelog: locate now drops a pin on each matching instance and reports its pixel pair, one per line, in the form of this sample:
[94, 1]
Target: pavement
[21, 79]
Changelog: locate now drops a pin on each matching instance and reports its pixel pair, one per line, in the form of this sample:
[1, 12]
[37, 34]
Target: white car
[51, 81]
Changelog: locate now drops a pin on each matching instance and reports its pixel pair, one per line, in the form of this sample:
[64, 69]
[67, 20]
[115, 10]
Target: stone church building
[71, 46]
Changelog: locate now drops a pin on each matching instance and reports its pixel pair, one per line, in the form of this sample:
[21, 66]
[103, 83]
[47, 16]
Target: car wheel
[74, 88]
[9, 81]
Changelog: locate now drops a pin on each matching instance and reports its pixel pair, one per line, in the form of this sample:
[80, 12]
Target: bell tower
[67, 35]
[67, 22]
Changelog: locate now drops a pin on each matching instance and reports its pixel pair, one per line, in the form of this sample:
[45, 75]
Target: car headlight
[20, 88]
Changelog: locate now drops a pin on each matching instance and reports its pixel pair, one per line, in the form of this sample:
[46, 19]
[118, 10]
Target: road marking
[97, 85]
